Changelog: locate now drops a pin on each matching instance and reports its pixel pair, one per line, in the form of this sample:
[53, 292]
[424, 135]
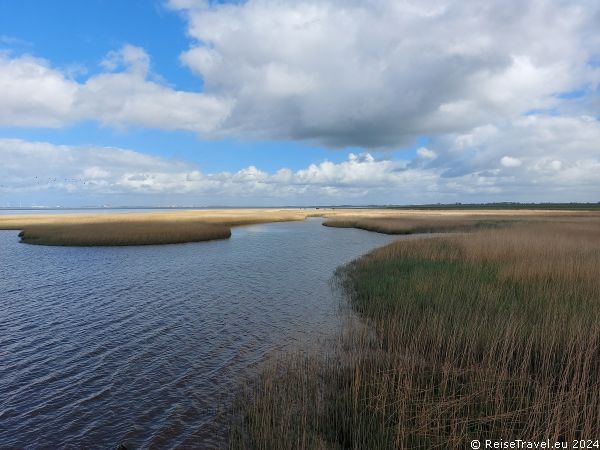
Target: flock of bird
[52, 180]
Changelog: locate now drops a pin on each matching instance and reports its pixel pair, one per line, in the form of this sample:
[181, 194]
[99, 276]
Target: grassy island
[123, 233]
[417, 225]
[121, 229]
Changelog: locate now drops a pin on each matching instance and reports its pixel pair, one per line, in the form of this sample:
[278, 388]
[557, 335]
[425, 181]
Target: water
[144, 344]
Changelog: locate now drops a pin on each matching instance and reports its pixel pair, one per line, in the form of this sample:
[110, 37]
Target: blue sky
[78, 35]
[263, 102]
[71, 33]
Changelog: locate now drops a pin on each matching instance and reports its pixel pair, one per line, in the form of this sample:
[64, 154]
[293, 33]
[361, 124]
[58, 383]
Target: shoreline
[168, 227]
[461, 344]
[148, 228]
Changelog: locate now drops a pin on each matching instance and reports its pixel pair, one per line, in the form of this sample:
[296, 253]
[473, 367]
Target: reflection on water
[143, 344]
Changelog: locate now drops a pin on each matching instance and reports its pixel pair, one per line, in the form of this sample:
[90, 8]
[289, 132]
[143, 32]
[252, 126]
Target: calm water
[142, 344]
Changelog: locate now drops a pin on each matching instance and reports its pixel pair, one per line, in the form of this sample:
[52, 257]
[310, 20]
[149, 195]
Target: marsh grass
[117, 228]
[415, 225]
[123, 233]
[489, 335]
[138, 228]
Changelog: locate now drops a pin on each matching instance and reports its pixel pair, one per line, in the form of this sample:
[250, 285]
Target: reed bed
[117, 227]
[414, 225]
[489, 335]
[123, 233]
[138, 228]
[230, 217]
[261, 215]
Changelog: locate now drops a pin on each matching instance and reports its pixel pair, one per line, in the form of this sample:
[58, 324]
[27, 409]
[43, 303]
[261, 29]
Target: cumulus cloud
[341, 73]
[509, 161]
[37, 167]
[376, 74]
[426, 154]
[507, 93]
[33, 93]
[32, 168]
[530, 157]
[518, 142]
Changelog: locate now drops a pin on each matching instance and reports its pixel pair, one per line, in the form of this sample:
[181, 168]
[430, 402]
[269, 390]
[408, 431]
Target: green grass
[491, 335]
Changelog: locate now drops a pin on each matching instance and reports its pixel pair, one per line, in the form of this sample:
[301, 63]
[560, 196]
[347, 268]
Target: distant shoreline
[153, 227]
[591, 206]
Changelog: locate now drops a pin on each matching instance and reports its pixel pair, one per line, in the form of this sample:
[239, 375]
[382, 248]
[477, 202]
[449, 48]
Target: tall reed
[418, 224]
[490, 335]
[123, 233]
[138, 228]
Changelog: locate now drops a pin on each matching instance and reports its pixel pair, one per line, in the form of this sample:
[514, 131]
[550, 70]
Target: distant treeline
[505, 205]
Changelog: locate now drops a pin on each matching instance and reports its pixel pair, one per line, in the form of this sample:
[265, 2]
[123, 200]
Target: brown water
[145, 345]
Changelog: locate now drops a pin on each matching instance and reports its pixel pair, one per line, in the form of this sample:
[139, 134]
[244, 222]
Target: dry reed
[414, 225]
[123, 233]
[138, 228]
[490, 335]
[112, 227]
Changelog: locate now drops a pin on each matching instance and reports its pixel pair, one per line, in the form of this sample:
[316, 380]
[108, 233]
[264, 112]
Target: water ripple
[144, 345]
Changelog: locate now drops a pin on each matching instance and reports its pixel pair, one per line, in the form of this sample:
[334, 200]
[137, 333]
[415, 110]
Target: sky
[298, 102]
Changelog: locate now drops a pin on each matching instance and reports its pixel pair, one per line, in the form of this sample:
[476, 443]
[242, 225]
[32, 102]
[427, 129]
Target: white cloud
[129, 57]
[509, 161]
[34, 169]
[526, 139]
[530, 157]
[40, 167]
[379, 73]
[342, 73]
[32, 93]
[481, 80]
[425, 153]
